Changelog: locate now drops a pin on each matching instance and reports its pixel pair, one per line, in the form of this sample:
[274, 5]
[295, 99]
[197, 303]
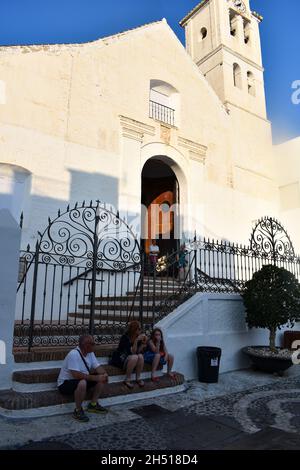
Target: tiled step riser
[117, 307]
[50, 375]
[42, 387]
[150, 290]
[128, 299]
[50, 354]
[79, 327]
[107, 324]
[116, 317]
[67, 408]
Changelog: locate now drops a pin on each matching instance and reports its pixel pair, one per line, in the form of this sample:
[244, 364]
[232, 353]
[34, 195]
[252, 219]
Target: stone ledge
[38, 376]
[11, 400]
[56, 353]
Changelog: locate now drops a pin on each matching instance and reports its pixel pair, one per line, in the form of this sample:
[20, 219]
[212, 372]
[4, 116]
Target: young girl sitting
[157, 353]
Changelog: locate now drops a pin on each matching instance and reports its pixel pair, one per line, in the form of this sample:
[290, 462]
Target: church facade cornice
[196, 151]
[231, 51]
[135, 130]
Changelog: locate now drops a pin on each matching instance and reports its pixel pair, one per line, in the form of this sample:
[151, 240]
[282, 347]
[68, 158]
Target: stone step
[160, 279]
[121, 317]
[13, 400]
[116, 307]
[129, 298]
[38, 376]
[158, 289]
[56, 353]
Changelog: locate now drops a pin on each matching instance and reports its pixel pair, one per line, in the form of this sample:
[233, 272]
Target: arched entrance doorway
[160, 202]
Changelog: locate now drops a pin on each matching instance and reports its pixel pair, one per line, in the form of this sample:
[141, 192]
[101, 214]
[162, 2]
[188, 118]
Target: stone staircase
[35, 393]
[123, 308]
[35, 375]
[111, 313]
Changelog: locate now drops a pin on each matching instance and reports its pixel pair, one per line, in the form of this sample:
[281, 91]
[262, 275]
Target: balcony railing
[162, 113]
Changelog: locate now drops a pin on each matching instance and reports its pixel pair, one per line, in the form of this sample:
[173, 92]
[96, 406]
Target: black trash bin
[208, 364]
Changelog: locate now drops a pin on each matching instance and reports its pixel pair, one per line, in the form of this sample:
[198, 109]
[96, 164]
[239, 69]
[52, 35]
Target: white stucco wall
[211, 320]
[82, 133]
[287, 158]
[10, 237]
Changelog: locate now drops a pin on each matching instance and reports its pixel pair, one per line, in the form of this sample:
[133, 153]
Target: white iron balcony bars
[162, 113]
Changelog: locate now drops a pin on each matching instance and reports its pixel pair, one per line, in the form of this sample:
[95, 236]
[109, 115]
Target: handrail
[216, 279]
[168, 257]
[25, 273]
[87, 271]
[185, 287]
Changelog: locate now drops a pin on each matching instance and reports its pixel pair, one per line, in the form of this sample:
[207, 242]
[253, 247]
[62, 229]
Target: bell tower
[223, 39]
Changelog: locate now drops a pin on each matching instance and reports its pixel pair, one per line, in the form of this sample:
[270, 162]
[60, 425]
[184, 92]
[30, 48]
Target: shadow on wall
[17, 186]
[92, 186]
[15, 189]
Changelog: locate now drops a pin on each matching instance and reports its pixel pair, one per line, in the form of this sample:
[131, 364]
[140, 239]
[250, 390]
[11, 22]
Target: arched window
[247, 36]
[164, 102]
[232, 21]
[251, 83]
[237, 76]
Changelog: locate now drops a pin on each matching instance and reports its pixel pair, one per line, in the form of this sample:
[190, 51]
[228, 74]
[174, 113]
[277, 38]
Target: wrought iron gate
[88, 274]
[85, 263]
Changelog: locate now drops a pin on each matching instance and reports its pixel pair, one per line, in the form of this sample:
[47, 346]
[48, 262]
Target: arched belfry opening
[160, 203]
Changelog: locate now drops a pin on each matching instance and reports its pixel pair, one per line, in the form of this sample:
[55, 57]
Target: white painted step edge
[69, 407]
[20, 366]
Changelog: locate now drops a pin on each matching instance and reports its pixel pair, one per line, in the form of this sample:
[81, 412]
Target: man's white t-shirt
[73, 361]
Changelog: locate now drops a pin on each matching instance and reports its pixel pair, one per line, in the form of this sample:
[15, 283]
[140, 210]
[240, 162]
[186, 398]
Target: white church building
[138, 121]
[137, 118]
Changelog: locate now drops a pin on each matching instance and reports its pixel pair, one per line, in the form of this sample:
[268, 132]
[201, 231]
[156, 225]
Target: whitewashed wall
[211, 320]
[10, 236]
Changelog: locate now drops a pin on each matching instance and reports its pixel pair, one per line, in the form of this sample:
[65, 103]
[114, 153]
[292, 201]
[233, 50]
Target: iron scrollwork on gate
[269, 239]
[83, 259]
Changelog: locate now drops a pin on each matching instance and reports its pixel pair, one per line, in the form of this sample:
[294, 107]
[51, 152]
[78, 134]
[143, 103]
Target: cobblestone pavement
[203, 417]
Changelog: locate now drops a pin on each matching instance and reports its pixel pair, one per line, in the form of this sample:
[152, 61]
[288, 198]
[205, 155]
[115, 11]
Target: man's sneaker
[80, 416]
[96, 409]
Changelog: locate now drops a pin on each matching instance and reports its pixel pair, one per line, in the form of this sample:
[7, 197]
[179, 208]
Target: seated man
[80, 372]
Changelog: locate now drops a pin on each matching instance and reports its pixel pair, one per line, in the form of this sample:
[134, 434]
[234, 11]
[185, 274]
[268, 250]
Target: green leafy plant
[272, 299]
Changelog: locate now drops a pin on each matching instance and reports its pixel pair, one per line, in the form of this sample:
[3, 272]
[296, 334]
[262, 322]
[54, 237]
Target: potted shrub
[272, 300]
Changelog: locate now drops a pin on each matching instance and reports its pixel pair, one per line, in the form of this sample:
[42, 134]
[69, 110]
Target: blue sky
[57, 21]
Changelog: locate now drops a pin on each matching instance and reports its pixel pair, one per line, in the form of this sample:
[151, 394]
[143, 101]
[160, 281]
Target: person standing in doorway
[182, 263]
[153, 255]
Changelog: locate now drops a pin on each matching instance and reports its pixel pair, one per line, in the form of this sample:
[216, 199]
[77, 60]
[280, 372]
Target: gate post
[195, 261]
[33, 297]
[10, 237]
[141, 305]
[94, 273]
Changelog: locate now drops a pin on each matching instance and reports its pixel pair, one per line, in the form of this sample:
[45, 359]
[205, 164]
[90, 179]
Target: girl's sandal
[140, 383]
[154, 379]
[172, 375]
[128, 384]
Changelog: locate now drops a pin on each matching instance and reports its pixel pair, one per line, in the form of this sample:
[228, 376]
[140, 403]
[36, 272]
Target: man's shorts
[68, 387]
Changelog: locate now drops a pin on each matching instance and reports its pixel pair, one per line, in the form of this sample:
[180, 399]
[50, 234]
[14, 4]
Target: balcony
[162, 113]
